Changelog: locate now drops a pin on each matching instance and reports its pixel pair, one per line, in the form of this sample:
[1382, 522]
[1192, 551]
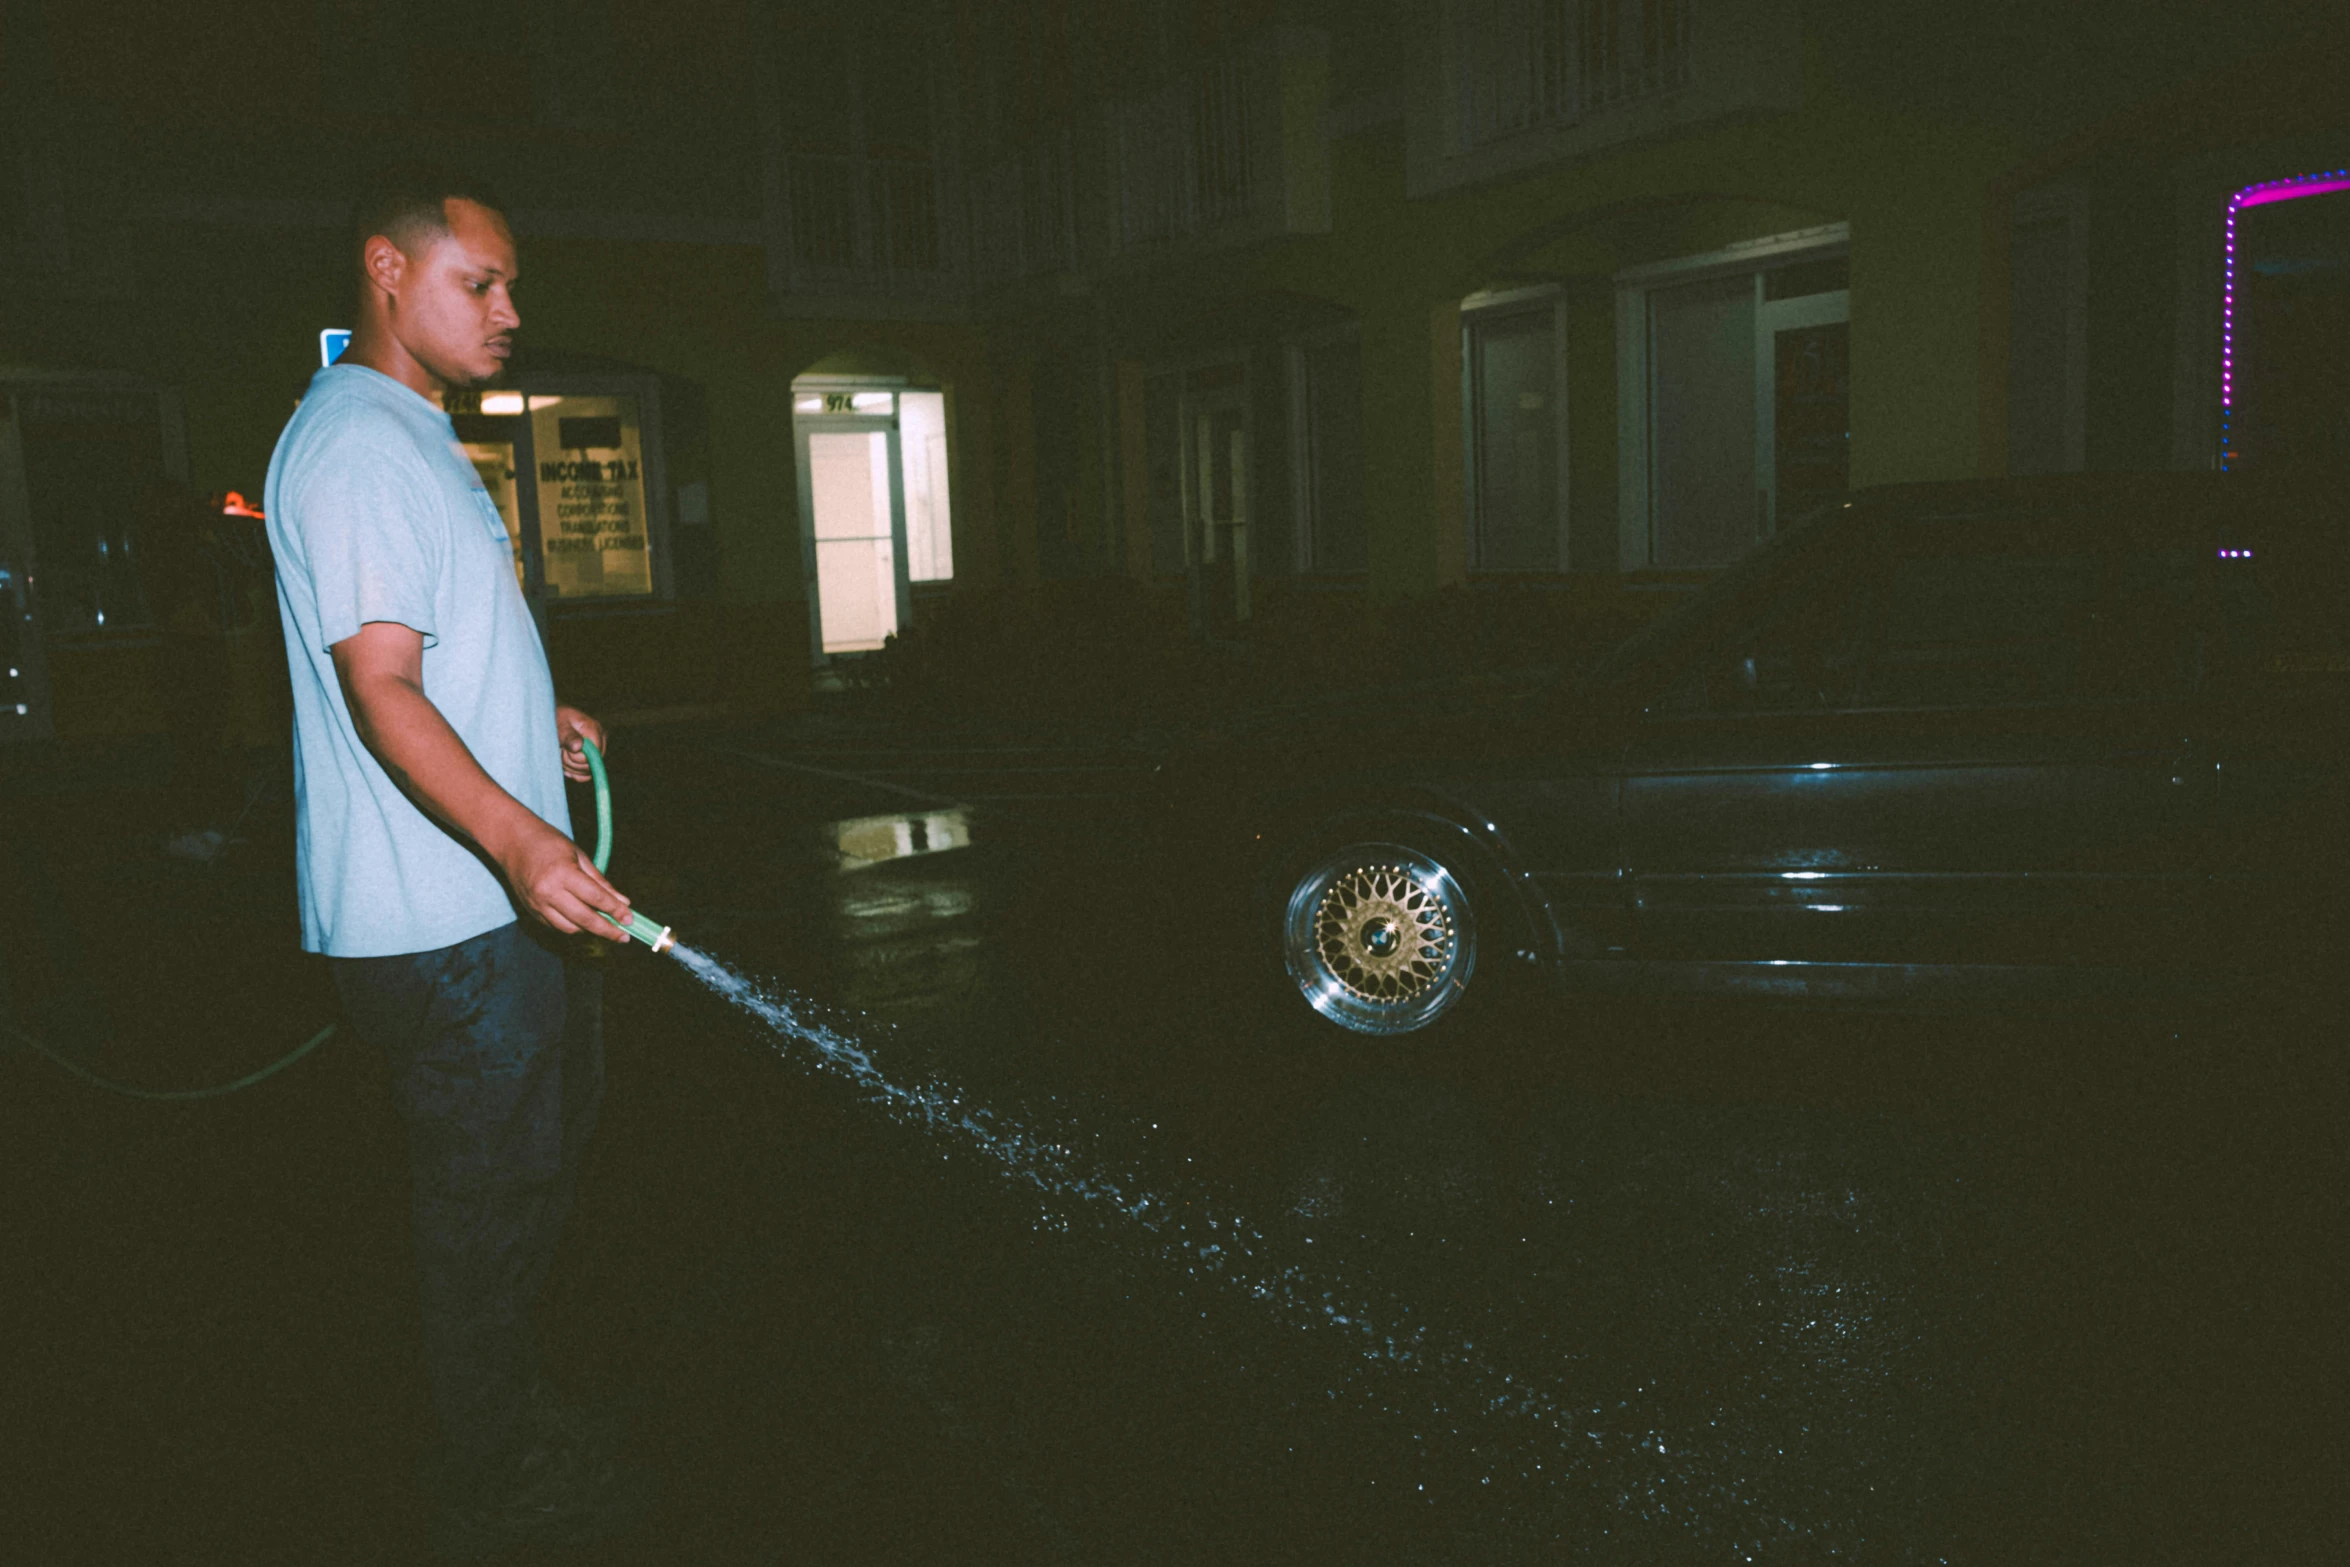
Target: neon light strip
[2260, 195]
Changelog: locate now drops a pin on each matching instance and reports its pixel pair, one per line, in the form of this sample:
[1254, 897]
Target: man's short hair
[408, 204]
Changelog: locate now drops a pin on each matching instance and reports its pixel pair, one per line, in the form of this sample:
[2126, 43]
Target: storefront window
[92, 459]
[591, 496]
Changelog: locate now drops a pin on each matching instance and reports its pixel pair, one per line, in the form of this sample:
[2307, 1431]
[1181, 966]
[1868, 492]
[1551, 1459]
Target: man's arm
[382, 674]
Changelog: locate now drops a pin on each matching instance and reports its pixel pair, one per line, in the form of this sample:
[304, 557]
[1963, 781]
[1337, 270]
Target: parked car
[1946, 743]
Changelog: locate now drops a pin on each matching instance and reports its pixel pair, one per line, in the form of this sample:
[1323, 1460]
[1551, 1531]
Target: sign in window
[591, 496]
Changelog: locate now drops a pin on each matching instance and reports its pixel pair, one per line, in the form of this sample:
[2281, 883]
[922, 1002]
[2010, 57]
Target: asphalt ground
[1649, 1284]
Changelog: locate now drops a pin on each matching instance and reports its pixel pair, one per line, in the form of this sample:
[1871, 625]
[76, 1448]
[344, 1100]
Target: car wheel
[1380, 937]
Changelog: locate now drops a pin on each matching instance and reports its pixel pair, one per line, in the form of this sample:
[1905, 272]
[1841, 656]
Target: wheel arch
[1518, 915]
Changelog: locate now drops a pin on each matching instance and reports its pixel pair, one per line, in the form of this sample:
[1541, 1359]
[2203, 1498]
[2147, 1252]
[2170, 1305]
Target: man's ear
[383, 264]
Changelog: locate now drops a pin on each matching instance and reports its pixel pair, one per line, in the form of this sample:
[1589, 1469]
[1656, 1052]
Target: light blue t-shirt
[376, 513]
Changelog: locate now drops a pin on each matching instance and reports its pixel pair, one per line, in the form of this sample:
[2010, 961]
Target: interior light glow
[2261, 194]
[501, 403]
[872, 840]
[870, 402]
[807, 405]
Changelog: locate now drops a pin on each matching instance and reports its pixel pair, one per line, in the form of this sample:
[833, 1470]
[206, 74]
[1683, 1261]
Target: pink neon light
[2258, 195]
[2285, 190]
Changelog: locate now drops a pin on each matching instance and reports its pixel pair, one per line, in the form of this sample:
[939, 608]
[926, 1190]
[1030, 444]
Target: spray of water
[1572, 1441]
[1409, 1368]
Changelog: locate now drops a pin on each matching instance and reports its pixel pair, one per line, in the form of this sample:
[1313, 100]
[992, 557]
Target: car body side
[1909, 851]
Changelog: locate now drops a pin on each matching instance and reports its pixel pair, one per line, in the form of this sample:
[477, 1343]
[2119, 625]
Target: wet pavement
[1049, 1232]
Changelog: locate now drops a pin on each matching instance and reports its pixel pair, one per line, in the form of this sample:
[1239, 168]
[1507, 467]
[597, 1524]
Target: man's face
[454, 308]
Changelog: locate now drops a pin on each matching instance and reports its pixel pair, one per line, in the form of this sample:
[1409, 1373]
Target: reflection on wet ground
[873, 840]
[985, 1212]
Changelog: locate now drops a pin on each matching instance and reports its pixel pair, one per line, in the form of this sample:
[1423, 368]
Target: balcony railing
[1023, 215]
[864, 226]
[1228, 151]
[1539, 64]
[1202, 155]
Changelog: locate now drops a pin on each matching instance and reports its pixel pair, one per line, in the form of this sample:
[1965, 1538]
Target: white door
[852, 533]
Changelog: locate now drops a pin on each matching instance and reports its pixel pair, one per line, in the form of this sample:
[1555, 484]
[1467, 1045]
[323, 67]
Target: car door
[1969, 746]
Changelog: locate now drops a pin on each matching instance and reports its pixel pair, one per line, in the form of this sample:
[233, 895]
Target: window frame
[16, 514]
[1869, 556]
[1861, 569]
[1635, 411]
[1494, 304]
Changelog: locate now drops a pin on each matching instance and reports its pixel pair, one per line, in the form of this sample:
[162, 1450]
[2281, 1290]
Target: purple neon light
[2262, 194]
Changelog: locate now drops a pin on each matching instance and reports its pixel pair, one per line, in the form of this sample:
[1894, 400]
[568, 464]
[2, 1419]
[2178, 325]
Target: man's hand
[382, 672]
[571, 727]
[556, 881]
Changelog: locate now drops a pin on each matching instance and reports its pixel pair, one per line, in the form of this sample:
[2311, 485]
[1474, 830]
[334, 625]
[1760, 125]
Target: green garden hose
[651, 932]
[247, 1081]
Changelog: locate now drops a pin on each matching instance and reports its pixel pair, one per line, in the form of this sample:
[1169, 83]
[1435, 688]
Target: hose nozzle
[651, 932]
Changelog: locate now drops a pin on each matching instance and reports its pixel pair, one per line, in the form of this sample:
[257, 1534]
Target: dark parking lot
[1110, 1254]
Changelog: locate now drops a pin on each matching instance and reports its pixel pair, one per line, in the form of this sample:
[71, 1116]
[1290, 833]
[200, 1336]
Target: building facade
[1291, 326]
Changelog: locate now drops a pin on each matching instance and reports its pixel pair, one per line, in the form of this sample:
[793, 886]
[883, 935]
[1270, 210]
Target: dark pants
[496, 1050]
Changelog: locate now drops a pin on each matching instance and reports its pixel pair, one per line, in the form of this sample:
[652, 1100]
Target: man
[429, 767]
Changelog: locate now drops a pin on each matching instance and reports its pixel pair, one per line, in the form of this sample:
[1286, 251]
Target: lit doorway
[876, 515]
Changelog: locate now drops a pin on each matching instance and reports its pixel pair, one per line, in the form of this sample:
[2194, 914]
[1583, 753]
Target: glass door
[1742, 423]
[1517, 430]
[852, 533]
[1216, 497]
